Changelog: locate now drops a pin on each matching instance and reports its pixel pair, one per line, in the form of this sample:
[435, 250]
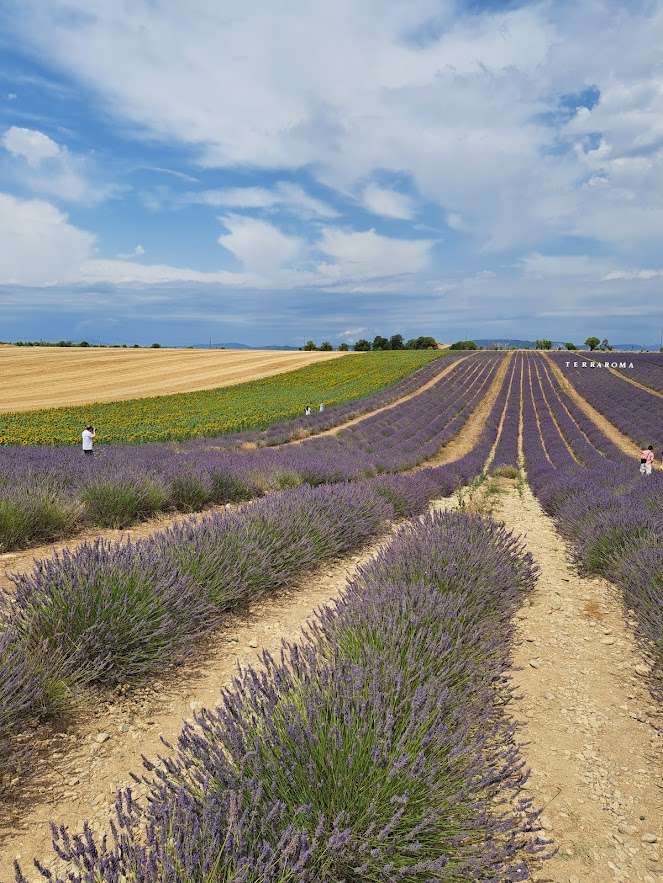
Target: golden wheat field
[45, 377]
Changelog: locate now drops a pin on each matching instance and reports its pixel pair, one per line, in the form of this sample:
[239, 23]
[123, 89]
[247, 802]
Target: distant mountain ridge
[530, 344]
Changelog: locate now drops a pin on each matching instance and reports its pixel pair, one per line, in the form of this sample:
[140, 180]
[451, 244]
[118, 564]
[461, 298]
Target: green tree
[380, 343]
[156, 346]
[326, 346]
[570, 346]
[421, 343]
[604, 345]
[396, 341]
[310, 345]
[362, 346]
[543, 344]
[464, 345]
[343, 347]
[84, 343]
[592, 342]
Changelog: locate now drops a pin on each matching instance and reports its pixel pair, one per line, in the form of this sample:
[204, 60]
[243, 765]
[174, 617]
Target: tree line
[592, 343]
[379, 343]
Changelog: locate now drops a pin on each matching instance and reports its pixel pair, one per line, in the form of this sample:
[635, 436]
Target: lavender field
[381, 745]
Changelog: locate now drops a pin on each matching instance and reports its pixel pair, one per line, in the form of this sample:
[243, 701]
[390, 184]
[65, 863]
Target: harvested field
[52, 377]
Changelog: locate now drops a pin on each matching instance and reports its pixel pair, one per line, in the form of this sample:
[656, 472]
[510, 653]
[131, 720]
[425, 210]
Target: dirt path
[468, 436]
[93, 757]
[607, 428]
[593, 737]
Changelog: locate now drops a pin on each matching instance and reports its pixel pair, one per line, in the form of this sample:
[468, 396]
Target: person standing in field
[307, 411]
[646, 460]
[88, 435]
[322, 407]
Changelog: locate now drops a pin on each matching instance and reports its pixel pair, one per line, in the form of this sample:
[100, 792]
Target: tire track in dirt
[623, 442]
[593, 736]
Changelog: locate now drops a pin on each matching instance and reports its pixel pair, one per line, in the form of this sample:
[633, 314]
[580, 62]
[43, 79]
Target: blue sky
[259, 173]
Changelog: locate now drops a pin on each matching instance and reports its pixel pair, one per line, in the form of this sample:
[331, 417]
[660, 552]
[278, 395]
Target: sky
[268, 173]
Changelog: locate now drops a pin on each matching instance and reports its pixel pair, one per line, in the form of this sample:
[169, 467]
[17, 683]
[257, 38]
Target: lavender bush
[610, 514]
[124, 483]
[377, 749]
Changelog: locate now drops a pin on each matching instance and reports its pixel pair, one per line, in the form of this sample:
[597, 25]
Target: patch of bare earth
[593, 735]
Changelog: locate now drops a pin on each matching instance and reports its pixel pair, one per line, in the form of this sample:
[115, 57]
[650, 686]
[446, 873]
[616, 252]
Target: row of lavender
[50, 492]
[635, 411]
[610, 513]
[114, 612]
[302, 427]
[376, 749]
[647, 368]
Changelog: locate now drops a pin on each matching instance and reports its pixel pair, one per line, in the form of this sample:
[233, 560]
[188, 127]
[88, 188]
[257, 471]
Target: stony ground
[594, 737]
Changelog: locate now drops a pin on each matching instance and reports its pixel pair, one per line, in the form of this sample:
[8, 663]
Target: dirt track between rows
[593, 736]
[607, 428]
[51, 377]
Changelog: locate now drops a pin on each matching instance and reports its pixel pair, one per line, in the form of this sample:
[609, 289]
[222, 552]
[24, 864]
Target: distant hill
[530, 344]
[243, 346]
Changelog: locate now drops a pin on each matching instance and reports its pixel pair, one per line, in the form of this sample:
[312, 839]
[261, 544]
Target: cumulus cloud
[39, 244]
[48, 168]
[388, 203]
[32, 146]
[369, 255]
[258, 245]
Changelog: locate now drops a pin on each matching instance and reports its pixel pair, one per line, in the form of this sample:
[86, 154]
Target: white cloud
[118, 272]
[388, 203]
[39, 244]
[48, 168]
[137, 252]
[461, 108]
[32, 146]
[257, 245]
[540, 266]
[633, 274]
[370, 255]
[284, 195]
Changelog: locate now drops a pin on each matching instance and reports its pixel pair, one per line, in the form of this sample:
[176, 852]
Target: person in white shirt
[87, 435]
[307, 411]
[322, 407]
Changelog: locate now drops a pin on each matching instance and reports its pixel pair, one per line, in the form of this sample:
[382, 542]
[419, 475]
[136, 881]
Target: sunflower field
[252, 405]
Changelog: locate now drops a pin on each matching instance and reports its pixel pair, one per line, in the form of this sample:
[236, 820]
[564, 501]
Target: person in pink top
[646, 460]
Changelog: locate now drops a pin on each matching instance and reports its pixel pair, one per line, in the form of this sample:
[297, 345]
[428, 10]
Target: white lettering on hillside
[600, 364]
